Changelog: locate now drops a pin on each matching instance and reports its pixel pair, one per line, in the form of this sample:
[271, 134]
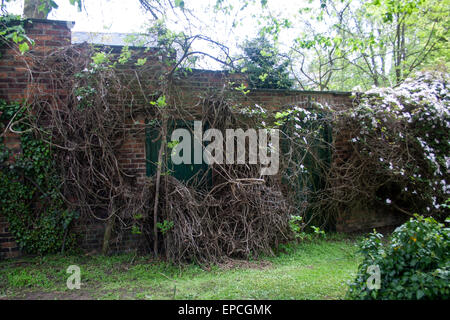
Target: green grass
[313, 270]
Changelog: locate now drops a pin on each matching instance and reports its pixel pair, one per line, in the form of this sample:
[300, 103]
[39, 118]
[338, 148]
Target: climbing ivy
[29, 191]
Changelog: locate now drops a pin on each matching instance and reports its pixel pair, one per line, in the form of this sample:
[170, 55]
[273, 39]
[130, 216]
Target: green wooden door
[192, 174]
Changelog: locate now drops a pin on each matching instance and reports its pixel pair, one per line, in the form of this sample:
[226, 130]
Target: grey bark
[107, 235]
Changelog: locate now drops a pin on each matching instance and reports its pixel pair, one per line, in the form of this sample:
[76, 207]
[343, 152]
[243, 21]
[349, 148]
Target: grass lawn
[313, 270]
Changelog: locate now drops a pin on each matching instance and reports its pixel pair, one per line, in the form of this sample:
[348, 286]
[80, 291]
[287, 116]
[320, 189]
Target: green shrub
[413, 265]
[298, 227]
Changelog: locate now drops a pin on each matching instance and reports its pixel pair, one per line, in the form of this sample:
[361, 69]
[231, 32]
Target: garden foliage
[414, 264]
[401, 148]
[30, 196]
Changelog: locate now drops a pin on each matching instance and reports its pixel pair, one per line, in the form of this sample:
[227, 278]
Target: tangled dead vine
[90, 110]
[85, 119]
[238, 218]
[94, 102]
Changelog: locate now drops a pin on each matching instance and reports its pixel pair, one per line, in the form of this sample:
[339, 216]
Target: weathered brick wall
[91, 238]
[365, 219]
[8, 246]
[15, 86]
[51, 35]
[132, 155]
[14, 74]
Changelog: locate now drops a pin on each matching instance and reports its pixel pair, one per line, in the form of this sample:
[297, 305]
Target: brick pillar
[14, 86]
[14, 74]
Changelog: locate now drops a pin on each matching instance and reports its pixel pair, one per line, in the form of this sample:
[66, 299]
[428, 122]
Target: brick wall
[8, 246]
[91, 239]
[132, 153]
[14, 86]
[366, 218]
[14, 75]
[51, 35]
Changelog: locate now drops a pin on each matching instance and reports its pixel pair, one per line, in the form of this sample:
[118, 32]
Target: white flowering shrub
[399, 158]
[400, 138]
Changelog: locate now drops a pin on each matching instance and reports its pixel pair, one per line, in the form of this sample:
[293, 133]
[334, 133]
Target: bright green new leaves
[12, 30]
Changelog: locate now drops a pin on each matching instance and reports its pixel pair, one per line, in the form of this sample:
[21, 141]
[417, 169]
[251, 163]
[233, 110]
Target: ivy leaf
[53, 4]
[420, 294]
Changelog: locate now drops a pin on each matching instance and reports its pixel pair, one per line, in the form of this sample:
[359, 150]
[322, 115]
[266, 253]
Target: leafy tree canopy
[264, 65]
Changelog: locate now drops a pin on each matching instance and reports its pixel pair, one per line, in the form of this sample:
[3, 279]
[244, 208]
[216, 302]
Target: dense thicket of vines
[399, 138]
[86, 119]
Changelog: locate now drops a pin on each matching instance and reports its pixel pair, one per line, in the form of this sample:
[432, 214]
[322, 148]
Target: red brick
[8, 245]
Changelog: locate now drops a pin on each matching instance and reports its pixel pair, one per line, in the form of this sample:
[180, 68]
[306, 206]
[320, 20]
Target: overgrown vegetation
[399, 139]
[393, 125]
[400, 147]
[30, 195]
[241, 215]
[398, 158]
[414, 264]
[12, 30]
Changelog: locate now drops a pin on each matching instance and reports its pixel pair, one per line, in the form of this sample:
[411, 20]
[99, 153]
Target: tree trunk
[158, 182]
[400, 51]
[403, 50]
[107, 235]
[31, 9]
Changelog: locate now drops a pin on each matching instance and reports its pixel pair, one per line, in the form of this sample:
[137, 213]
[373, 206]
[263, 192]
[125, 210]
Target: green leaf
[141, 61]
[420, 294]
[23, 47]
[179, 4]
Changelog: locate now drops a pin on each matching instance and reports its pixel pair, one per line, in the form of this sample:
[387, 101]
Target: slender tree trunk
[400, 50]
[158, 182]
[397, 53]
[31, 9]
[374, 67]
[403, 49]
[107, 235]
[382, 57]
